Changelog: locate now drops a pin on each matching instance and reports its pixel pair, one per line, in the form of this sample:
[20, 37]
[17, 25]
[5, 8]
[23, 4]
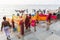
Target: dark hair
[4, 18]
[17, 14]
[54, 13]
[37, 11]
[29, 14]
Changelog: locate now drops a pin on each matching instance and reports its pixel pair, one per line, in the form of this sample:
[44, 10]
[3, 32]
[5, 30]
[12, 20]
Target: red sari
[27, 22]
[49, 17]
[22, 27]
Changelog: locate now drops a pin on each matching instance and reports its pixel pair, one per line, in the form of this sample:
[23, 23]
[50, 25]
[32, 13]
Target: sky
[25, 2]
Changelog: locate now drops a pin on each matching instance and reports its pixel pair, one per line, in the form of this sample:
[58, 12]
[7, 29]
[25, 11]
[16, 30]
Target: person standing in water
[13, 23]
[37, 16]
[29, 17]
[33, 22]
[6, 25]
[21, 25]
[27, 22]
[49, 20]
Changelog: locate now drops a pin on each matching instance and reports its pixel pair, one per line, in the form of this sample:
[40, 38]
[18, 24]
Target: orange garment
[9, 20]
[43, 18]
[16, 19]
[24, 17]
[37, 16]
[33, 18]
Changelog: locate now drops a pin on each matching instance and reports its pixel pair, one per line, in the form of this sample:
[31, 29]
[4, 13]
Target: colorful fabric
[22, 27]
[54, 17]
[18, 28]
[33, 23]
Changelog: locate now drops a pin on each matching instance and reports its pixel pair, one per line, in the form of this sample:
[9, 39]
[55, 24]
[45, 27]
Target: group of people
[30, 20]
[24, 24]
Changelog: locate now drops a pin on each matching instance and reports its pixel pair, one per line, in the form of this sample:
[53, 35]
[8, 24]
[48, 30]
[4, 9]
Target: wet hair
[4, 18]
[29, 14]
[17, 14]
[54, 13]
[37, 11]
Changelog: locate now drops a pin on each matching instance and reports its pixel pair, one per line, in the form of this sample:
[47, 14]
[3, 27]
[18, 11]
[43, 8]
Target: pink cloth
[49, 17]
[54, 17]
[33, 23]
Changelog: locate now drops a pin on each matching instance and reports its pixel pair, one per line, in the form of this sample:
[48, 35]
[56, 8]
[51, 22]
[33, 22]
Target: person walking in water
[27, 22]
[6, 25]
[49, 21]
[13, 23]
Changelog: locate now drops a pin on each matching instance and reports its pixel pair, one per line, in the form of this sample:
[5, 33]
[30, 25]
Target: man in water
[6, 25]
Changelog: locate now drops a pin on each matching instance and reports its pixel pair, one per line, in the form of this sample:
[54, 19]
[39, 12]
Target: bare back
[5, 23]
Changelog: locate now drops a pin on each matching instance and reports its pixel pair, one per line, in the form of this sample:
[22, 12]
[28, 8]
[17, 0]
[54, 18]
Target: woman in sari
[33, 22]
[29, 17]
[21, 25]
[27, 22]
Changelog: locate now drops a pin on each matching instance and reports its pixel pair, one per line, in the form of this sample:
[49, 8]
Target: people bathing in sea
[6, 25]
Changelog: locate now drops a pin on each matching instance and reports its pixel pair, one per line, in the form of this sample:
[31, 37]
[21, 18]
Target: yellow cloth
[18, 28]
[16, 19]
[24, 17]
[9, 20]
[33, 18]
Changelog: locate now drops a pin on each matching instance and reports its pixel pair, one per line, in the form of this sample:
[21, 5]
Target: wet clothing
[6, 30]
[49, 17]
[27, 22]
[22, 27]
[33, 23]
[13, 26]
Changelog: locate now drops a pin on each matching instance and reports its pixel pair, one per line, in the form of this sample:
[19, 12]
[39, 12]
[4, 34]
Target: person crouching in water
[6, 25]
[49, 20]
